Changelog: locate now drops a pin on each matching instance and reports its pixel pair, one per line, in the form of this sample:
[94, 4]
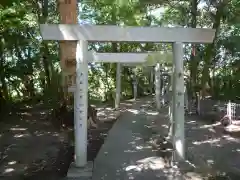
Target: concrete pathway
[127, 153]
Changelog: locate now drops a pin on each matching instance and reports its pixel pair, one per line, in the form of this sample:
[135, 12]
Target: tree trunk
[42, 18]
[210, 51]
[193, 64]
[30, 74]
[4, 87]
[46, 62]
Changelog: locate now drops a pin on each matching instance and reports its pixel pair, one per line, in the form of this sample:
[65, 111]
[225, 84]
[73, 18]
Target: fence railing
[233, 111]
[206, 106]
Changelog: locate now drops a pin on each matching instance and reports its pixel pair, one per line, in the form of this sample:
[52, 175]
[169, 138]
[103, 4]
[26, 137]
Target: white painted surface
[229, 110]
[128, 59]
[135, 83]
[152, 59]
[118, 57]
[158, 85]
[163, 85]
[151, 80]
[118, 86]
[81, 104]
[198, 103]
[125, 34]
[170, 108]
[178, 102]
[186, 98]
[135, 90]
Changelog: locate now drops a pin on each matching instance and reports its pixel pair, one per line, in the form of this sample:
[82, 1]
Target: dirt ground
[215, 150]
[31, 148]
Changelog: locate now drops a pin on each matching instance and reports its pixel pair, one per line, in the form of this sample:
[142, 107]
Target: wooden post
[170, 107]
[134, 87]
[178, 102]
[198, 103]
[158, 85]
[163, 85]
[118, 86]
[81, 105]
[186, 98]
[151, 80]
[229, 110]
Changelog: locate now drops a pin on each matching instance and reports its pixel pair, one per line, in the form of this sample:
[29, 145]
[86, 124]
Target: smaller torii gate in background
[154, 59]
[128, 59]
[109, 33]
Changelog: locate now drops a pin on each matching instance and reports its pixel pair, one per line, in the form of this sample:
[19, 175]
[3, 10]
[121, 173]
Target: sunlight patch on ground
[26, 114]
[191, 122]
[21, 135]
[232, 139]
[143, 147]
[233, 128]
[210, 162]
[209, 126]
[153, 163]
[18, 129]
[126, 104]
[134, 111]
[129, 151]
[8, 170]
[210, 141]
[12, 162]
[151, 113]
[164, 126]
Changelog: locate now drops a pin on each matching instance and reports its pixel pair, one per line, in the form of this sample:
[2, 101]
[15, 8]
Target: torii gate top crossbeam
[110, 33]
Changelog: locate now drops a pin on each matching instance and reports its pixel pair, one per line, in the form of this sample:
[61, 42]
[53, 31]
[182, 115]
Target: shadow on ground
[214, 151]
[139, 151]
[134, 150]
[32, 148]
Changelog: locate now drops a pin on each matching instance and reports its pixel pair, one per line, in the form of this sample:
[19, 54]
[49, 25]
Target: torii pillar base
[84, 173]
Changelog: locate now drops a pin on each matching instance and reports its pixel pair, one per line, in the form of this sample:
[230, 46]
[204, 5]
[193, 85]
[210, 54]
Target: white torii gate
[110, 33]
[154, 59]
[157, 85]
[114, 58]
[128, 59]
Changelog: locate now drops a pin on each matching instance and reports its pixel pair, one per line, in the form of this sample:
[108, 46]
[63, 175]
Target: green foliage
[29, 67]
